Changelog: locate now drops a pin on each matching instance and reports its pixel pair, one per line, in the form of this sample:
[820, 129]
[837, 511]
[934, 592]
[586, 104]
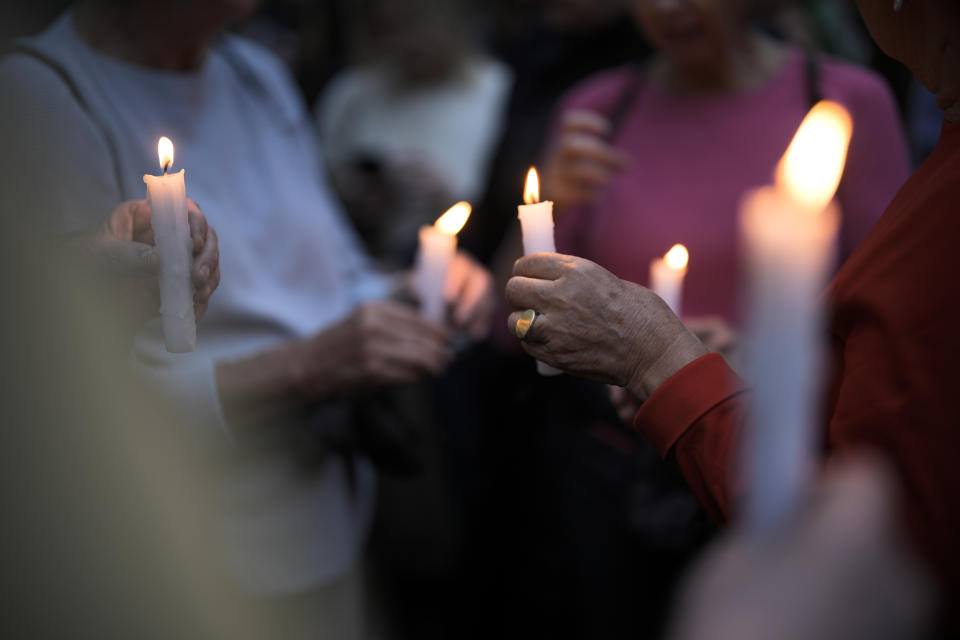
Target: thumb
[129, 259]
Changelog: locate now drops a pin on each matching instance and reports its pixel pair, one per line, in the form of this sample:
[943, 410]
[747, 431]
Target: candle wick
[166, 165]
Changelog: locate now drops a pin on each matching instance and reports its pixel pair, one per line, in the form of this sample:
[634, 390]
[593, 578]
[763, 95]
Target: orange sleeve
[693, 419]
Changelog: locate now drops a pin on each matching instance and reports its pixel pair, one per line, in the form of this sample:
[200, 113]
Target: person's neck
[744, 65]
[156, 38]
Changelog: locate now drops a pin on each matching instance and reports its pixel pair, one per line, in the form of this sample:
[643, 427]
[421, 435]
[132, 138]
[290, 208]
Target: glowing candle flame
[165, 152]
[531, 190]
[810, 170]
[677, 257]
[453, 220]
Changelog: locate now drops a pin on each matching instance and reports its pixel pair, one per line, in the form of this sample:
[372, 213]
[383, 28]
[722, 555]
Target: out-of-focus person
[891, 336]
[644, 157]
[411, 127]
[107, 529]
[840, 571]
[301, 324]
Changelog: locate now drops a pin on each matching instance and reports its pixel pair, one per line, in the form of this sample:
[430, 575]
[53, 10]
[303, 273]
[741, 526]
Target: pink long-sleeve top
[693, 158]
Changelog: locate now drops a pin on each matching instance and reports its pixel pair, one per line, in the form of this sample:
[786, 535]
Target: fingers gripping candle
[167, 197]
[438, 245]
[789, 233]
[536, 225]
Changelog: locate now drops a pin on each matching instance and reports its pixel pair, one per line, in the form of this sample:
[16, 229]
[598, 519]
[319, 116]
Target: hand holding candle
[666, 276]
[167, 197]
[536, 225]
[789, 233]
[438, 246]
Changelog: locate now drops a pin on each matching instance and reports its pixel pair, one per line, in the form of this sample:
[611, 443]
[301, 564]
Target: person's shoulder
[491, 74]
[348, 87]
[32, 83]
[33, 69]
[357, 81]
[253, 53]
[850, 82]
[599, 90]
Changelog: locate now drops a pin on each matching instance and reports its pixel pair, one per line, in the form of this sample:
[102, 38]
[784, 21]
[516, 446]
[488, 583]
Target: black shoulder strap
[812, 67]
[616, 116]
[23, 48]
[625, 100]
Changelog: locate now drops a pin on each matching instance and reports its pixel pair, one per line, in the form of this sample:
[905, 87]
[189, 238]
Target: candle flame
[531, 190]
[165, 152]
[453, 220]
[677, 257]
[810, 170]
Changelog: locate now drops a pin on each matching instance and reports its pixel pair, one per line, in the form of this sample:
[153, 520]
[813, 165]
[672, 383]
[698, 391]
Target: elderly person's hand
[582, 161]
[592, 324]
[120, 249]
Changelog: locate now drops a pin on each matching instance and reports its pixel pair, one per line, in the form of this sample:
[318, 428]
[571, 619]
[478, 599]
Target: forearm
[257, 388]
[694, 418]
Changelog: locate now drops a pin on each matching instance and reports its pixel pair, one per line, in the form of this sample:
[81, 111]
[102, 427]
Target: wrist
[680, 351]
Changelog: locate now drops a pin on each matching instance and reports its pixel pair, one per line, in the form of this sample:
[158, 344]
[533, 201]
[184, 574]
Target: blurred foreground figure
[840, 572]
[892, 335]
[300, 327]
[107, 530]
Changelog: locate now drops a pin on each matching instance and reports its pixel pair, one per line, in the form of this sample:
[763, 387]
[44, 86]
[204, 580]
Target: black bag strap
[26, 49]
[812, 71]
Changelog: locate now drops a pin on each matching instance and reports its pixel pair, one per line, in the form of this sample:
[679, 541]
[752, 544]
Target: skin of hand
[121, 249]
[715, 334]
[469, 294]
[592, 324]
[582, 162]
[379, 344]
[839, 572]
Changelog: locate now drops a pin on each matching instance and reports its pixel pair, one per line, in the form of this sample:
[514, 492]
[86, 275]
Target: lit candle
[438, 245]
[171, 232]
[666, 276]
[536, 225]
[789, 232]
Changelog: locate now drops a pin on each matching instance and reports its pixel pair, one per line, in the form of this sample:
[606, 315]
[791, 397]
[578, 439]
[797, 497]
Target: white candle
[536, 225]
[789, 233]
[171, 231]
[438, 245]
[666, 276]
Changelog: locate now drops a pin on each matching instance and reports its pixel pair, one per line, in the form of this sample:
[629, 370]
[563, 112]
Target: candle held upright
[667, 274]
[438, 245]
[789, 235]
[536, 225]
[167, 197]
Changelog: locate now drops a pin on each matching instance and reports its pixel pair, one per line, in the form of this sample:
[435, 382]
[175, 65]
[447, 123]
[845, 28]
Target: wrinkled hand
[379, 344]
[121, 250]
[582, 162]
[597, 326]
[841, 572]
